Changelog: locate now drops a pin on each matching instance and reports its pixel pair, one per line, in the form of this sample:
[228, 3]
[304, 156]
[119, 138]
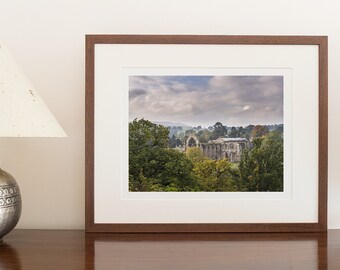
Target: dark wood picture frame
[321, 225]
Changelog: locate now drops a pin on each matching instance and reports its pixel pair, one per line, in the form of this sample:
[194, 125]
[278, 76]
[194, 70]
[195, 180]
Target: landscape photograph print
[195, 133]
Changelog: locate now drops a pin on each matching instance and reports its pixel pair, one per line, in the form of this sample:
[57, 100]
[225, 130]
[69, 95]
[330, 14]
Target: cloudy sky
[205, 100]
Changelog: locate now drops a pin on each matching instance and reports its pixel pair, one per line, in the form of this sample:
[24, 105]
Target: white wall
[47, 39]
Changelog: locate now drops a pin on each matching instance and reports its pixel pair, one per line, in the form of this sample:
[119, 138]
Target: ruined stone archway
[192, 141]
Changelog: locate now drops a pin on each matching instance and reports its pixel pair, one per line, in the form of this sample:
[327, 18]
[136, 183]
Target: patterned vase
[10, 203]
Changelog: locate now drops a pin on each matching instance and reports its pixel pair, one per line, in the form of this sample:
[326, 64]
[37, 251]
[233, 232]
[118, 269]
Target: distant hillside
[170, 124]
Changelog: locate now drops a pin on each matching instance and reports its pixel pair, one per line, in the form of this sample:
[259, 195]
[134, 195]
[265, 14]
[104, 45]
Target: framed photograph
[206, 133]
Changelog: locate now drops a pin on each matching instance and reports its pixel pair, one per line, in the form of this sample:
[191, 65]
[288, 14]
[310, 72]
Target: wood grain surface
[46, 249]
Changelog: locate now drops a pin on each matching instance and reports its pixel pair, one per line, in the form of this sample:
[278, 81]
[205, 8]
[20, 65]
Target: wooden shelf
[58, 249]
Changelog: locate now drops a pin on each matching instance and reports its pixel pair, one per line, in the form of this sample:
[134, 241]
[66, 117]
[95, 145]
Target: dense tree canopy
[219, 130]
[259, 131]
[204, 135]
[234, 133]
[152, 166]
[215, 175]
[157, 164]
[261, 168]
[195, 154]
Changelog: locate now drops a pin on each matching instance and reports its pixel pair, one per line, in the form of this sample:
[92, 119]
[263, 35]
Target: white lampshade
[22, 112]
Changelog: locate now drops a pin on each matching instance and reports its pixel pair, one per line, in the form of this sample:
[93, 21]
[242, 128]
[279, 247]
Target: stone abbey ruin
[230, 148]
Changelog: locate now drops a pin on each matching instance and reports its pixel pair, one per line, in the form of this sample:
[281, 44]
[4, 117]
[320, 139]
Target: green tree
[143, 133]
[259, 131]
[204, 135]
[169, 168]
[181, 135]
[279, 128]
[195, 154]
[248, 129]
[152, 166]
[261, 168]
[241, 132]
[218, 131]
[234, 133]
[188, 131]
[173, 142]
[214, 175]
